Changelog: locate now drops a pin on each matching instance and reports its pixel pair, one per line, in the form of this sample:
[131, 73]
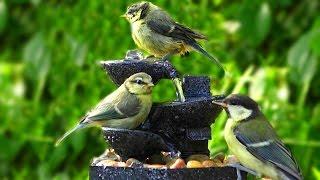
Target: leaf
[315, 37]
[310, 68]
[12, 147]
[3, 15]
[258, 85]
[35, 2]
[316, 172]
[255, 20]
[57, 156]
[78, 50]
[37, 60]
[263, 22]
[217, 2]
[302, 63]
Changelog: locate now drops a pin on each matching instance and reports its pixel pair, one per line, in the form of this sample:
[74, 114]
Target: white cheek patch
[238, 112]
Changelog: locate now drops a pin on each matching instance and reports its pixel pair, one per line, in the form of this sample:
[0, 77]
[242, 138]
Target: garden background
[49, 75]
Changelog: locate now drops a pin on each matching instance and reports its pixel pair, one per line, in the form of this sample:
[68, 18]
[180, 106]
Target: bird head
[137, 11]
[239, 107]
[140, 83]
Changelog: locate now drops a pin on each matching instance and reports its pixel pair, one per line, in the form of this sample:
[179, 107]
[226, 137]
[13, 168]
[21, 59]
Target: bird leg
[239, 168]
[239, 177]
[166, 57]
[109, 154]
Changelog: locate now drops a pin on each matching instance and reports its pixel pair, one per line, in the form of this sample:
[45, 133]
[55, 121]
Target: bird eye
[139, 81]
[232, 103]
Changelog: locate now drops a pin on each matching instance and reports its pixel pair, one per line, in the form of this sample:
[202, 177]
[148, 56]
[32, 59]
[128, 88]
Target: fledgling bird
[251, 138]
[125, 108]
[154, 31]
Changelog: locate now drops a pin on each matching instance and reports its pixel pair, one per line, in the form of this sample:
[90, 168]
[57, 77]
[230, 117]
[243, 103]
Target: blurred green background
[49, 76]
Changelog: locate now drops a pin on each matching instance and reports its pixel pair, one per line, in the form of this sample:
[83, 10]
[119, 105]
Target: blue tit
[154, 31]
[251, 138]
[126, 108]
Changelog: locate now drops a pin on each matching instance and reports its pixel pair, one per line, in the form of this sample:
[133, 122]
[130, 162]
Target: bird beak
[123, 16]
[220, 103]
[151, 84]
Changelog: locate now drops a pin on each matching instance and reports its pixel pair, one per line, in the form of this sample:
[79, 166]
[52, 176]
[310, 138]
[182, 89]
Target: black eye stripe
[138, 81]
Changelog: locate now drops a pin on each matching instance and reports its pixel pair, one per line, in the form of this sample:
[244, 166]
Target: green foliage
[49, 75]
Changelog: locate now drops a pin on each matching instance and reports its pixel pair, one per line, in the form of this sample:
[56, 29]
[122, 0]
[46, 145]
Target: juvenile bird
[154, 31]
[251, 138]
[127, 107]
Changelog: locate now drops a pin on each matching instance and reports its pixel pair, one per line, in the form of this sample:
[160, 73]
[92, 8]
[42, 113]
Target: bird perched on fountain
[126, 108]
[154, 31]
[251, 138]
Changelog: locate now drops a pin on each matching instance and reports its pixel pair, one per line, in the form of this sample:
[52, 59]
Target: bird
[154, 31]
[125, 108]
[252, 139]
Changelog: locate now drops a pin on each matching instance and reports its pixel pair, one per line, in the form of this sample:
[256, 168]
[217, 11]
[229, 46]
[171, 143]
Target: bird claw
[175, 154]
[168, 156]
[239, 168]
[166, 57]
[133, 55]
[109, 154]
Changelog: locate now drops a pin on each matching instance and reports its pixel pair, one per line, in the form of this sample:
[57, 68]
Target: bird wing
[168, 27]
[258, 136]
[128, 105]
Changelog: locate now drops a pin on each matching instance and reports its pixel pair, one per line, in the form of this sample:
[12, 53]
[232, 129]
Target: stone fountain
[181, 128]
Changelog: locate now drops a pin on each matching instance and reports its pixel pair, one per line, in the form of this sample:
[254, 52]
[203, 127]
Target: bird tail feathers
[291, 176]
[79, 126]
[198, 47]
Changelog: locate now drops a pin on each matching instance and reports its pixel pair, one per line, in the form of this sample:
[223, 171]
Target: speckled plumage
[154, 31]
[155, 43]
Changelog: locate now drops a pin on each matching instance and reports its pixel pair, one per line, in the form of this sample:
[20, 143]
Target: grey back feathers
[164, 25]
[125, 106]
[160, 22]
[129, 106]
[267, 148]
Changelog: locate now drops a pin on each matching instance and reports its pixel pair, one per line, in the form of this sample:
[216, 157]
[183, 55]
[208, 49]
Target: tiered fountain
[180, 128]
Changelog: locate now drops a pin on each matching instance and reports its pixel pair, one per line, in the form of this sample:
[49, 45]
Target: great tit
[154, 31]
[126, 108]
[251, 138]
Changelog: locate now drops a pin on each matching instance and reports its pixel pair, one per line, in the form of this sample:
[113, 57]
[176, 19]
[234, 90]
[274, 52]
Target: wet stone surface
[124, 173]
[120, 70]
[196, 86]
[134, 143]
[174, 126]
[171, 127]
